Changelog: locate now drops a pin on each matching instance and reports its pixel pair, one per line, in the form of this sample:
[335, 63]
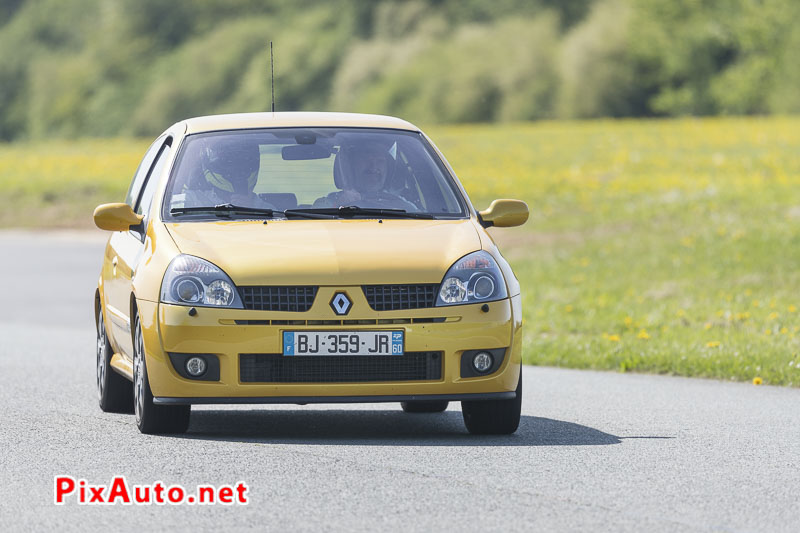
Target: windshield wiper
[226, 210]
[223, 210]
[348, 211]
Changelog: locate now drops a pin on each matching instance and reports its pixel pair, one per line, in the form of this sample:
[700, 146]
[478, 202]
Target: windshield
[366, 171]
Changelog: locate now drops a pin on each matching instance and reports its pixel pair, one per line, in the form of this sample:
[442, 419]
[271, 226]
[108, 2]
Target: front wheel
[152, 418]
[113, 390]
[424, 406]
[493, 417]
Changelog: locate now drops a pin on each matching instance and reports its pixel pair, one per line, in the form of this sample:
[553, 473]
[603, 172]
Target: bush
[597, 73]
[504, 71]
[109, 67]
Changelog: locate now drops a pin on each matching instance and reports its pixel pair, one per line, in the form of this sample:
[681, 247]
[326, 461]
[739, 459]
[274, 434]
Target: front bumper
[510, 395]
[227, 333]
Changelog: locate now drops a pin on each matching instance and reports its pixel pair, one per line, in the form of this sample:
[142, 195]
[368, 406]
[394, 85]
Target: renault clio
[299, 258]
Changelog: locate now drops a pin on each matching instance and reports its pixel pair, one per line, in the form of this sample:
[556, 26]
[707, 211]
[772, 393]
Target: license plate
[343, 343]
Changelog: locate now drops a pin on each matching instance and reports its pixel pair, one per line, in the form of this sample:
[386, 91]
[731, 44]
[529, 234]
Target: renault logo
[341, 304]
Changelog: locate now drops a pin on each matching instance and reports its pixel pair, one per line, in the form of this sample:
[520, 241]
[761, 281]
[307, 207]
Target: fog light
[482, 361]
[196, 366]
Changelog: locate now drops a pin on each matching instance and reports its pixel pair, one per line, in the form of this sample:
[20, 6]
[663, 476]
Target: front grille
[276, 368]
[278, 298]
[359, 322]
[399, 297]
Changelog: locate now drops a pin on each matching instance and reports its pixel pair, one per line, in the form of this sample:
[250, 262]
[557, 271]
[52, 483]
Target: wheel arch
[97, 308]
[98, 299]
[133, 310]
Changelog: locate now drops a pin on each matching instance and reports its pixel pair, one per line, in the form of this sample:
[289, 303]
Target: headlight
[474, 278]
[190, 280]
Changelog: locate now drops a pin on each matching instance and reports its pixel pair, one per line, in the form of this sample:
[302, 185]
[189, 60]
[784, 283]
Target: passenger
[228, 173]
[365, 169]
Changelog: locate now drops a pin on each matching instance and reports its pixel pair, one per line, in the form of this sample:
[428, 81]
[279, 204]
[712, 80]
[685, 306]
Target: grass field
[653, 246]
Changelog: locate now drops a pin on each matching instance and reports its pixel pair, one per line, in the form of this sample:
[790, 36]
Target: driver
[229, 175]
[366, 168]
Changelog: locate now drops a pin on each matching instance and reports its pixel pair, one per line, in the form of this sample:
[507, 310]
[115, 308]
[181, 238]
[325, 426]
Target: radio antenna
[272, 72]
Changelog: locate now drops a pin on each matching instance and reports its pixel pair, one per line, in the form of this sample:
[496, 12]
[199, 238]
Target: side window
[146, 196]
[141, 172]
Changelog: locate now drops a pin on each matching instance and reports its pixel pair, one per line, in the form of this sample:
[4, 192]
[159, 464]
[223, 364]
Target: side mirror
[505, 214]
[116, 217]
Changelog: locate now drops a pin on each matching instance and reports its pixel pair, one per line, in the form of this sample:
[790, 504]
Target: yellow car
[301, 258]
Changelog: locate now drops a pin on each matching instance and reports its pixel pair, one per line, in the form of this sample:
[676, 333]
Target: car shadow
[381, 428]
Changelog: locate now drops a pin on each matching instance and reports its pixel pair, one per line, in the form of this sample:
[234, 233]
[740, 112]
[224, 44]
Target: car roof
[293, 119]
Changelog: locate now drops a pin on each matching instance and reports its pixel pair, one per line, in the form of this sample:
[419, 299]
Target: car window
[291, 168]
[146, 196]
[142, 171]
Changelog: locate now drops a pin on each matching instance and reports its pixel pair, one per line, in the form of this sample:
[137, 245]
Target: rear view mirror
[303, 152]
[116, 217]
[505, 213]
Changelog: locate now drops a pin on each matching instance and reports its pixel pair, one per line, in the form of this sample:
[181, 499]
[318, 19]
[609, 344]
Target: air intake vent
[400, 297]
[276, 368]
[287, 298]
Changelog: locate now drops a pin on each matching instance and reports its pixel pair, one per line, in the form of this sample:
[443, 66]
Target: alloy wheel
[138, 373]
[101, 355]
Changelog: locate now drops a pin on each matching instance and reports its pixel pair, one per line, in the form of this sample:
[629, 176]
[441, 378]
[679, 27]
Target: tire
[152, 418]
[493, 417]
[114, 392]
[424, 406]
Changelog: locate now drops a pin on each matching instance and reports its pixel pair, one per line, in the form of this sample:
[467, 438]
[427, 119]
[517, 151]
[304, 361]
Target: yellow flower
[756, 303]
[712, 344]
[772, 316]
[628, 321]
[643, 335]
[767, 332]
[613, 338]
[681, 313]
[792, 309]
[707, 325]
[568, 308]
[784, 330]
[757, 381]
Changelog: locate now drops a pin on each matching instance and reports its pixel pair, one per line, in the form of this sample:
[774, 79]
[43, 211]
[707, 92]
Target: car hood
[329, 252]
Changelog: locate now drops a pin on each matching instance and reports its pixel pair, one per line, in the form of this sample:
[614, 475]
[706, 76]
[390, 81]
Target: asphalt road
[595, 451]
